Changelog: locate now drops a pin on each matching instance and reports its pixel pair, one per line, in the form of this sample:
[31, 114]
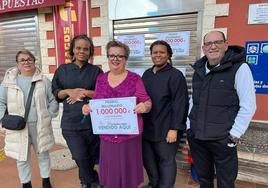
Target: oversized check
[114, 116]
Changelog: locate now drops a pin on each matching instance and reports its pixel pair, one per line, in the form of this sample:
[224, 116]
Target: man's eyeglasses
[118, 57]
[216, 42]
[24, 61]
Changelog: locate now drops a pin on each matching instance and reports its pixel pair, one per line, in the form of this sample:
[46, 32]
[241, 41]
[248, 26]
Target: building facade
[36, 27]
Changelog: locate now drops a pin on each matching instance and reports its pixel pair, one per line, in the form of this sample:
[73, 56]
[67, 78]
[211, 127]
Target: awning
[17, 5]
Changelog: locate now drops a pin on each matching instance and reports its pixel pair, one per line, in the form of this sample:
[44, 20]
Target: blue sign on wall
[257, 58]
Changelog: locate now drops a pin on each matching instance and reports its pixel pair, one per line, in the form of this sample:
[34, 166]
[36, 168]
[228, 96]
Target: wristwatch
[233, 139]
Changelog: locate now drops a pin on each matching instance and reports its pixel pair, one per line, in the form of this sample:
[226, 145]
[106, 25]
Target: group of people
[221, 107]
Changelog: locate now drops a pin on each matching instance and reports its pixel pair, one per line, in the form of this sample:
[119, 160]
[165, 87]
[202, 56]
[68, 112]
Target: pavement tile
[69, 178]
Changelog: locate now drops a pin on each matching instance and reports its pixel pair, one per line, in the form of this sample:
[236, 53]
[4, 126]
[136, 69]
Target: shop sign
[70, 20]
[179, 42]
[258, 13]
[257, 58]
[135, 44]
[17, 5]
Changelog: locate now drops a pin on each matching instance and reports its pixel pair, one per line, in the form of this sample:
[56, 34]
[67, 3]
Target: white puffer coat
[16, 142]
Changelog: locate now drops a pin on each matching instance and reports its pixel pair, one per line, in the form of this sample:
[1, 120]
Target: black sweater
[168, 91]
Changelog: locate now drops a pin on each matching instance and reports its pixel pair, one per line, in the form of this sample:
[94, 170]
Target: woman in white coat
[14, 92]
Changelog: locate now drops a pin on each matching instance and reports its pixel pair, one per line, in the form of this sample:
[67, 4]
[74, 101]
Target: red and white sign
[135, 44]
[114, 116]
[178, 41]
[70, 20]
[17, 5]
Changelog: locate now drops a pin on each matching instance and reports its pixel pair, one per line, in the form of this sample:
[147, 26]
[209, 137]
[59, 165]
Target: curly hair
[81, 37]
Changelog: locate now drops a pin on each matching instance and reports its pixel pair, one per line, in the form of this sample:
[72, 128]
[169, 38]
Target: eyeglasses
[216, 42]
[24, 61]
[118, 57]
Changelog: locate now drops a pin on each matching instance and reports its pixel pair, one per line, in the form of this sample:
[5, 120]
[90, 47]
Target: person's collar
[207, 69]
[76, 66]
[166, 67]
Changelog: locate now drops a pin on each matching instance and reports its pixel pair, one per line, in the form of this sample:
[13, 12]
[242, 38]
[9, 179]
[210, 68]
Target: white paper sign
[258, 13]
[179, 42]
[135, 44]
[114, 116]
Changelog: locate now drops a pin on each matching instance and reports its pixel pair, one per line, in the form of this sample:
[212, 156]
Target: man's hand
[171, 136]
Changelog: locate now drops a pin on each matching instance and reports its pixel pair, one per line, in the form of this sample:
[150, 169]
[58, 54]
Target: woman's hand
[143, 107]
[86, 109]
[140, 108]
[171, 136]
[88, 93]
[75, 95]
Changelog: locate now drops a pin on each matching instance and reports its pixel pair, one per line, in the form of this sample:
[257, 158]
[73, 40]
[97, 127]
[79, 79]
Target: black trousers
[84, 147]
[209, 155]
[160, 163]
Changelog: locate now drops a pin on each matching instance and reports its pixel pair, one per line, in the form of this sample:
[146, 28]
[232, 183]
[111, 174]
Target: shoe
[46, 183]
[27, 185]
[96, 185]
[147, 186]
[86, 186]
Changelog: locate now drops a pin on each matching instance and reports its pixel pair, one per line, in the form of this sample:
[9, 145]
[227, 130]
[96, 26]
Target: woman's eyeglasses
[118, 57]
[24, 61]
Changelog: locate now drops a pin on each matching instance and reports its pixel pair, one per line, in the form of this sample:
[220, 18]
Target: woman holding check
[120, 155]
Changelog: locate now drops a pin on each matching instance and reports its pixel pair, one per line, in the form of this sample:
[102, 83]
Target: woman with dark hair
[121, 155]
[14, 91]
[164, 124]
[73, 84]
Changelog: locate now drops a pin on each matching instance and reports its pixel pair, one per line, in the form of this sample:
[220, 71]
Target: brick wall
[99, 30]
[47, 42]
[48, 58]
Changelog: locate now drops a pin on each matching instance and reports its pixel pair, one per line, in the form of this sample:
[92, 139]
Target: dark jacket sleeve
[56, 83]
[180, 104]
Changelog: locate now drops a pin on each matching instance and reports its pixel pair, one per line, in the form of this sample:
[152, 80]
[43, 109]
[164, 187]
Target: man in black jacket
[164, 124]
[223, 103]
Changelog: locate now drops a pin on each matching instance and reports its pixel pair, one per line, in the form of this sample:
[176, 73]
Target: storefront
[46, 28]
[177, 22]
[20, 28]
[43, 27]
[18, 31]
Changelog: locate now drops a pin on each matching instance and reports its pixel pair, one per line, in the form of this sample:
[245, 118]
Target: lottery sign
[114, 116]
[135, 44]
[179, 42]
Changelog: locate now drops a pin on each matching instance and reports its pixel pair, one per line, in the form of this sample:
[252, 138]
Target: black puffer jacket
[215, 100]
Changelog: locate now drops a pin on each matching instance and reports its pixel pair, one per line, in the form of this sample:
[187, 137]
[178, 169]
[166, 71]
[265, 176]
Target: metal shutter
[16, 33]
[149, 26]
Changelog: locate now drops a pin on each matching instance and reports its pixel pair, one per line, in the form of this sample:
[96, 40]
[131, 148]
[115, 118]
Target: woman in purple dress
[121, 155]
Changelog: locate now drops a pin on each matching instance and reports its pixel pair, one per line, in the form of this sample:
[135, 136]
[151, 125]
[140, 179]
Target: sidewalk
[69, 178]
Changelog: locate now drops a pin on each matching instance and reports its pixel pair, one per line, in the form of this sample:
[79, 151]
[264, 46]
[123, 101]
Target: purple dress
[121, 155]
